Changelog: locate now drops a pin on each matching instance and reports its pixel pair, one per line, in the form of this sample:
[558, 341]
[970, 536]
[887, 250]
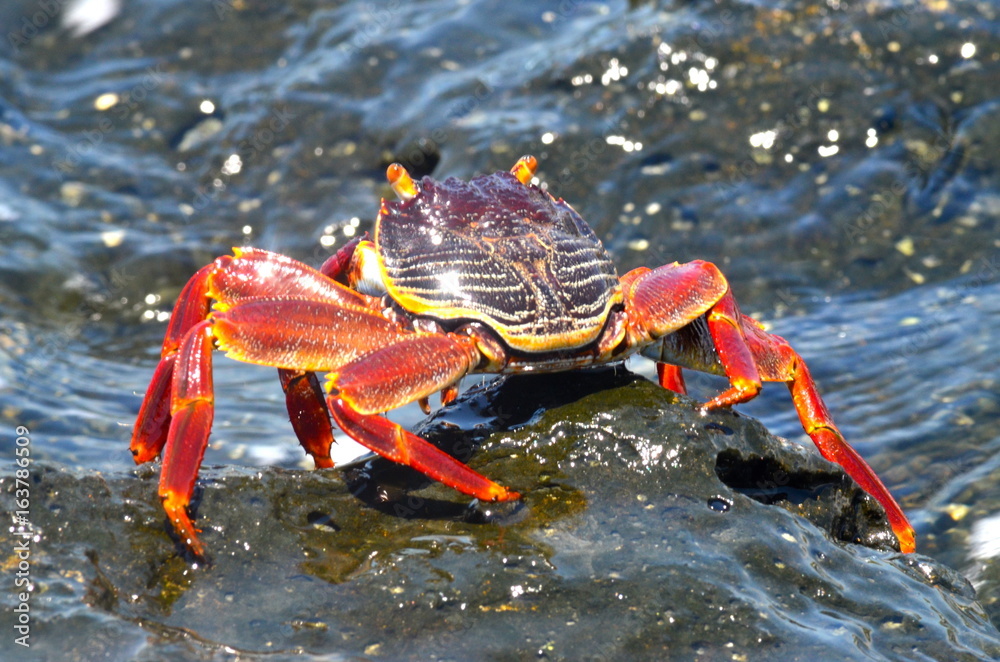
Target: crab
[490, 275]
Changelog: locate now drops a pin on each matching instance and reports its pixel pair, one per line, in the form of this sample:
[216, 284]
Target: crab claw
[401, 182]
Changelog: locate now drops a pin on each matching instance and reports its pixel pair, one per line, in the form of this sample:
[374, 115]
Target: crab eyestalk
[401, 182]
[525, 168]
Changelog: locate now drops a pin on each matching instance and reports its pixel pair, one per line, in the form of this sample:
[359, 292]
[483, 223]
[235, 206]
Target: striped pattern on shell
[500, 252]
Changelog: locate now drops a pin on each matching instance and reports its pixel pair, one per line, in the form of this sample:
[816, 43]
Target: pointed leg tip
[907, 540]
[142, 454]
[190, 541]
[176, 509]
[323, 463]
[196, 549]
[198, 552]
[503, 494]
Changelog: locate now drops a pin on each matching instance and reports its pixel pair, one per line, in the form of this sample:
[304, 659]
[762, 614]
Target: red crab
[492, 275]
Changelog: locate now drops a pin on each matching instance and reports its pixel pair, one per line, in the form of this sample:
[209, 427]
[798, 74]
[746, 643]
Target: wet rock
[647, 530]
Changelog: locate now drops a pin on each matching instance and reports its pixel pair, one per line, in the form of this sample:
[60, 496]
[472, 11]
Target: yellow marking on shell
[368, 276]
[525, 168]
[401, 182]
[532, 343]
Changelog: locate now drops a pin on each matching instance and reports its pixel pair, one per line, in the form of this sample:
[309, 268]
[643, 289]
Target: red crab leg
[308, 414]
[237, 285]
[191, 409]
[748, 353]
[734, 354]
[176, 414]
[304, 397]
[408, 370]
[668, 302]
[671, 377]
[779, 362]
[300, 334]
[252, 274]
[380, 368]
[153, 422]
[392, 442]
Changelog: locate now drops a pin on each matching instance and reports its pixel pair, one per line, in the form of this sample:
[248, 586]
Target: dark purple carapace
[497, 251]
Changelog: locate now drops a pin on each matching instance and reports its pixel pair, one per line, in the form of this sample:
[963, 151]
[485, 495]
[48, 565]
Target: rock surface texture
[648, 531]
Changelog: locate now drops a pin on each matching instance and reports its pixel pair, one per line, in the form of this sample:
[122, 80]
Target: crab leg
[302, 336]
[724, 324]
[376, 367]
[671, 377]
[308, 413]
[705, 330]
[650, 301]
[304, 397]
[408, 370]
[175, 417]
[191, 408]
[233, 281]
[153, 422]
[777, 361]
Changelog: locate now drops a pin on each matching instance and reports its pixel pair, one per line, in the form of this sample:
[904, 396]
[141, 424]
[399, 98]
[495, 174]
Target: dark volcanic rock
[648, 530]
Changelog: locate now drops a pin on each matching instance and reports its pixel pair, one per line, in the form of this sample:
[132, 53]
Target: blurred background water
[836, 160]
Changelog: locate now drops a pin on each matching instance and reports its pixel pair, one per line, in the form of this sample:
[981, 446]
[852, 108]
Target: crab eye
[401, 182]
[525, 168]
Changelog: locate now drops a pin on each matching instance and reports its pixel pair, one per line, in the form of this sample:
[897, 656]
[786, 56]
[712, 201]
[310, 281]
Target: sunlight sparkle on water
[624, 143]
[232, 165]
[763, 139]
[106, 101]
[872, 138]
[614, 72]
[984, 539]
